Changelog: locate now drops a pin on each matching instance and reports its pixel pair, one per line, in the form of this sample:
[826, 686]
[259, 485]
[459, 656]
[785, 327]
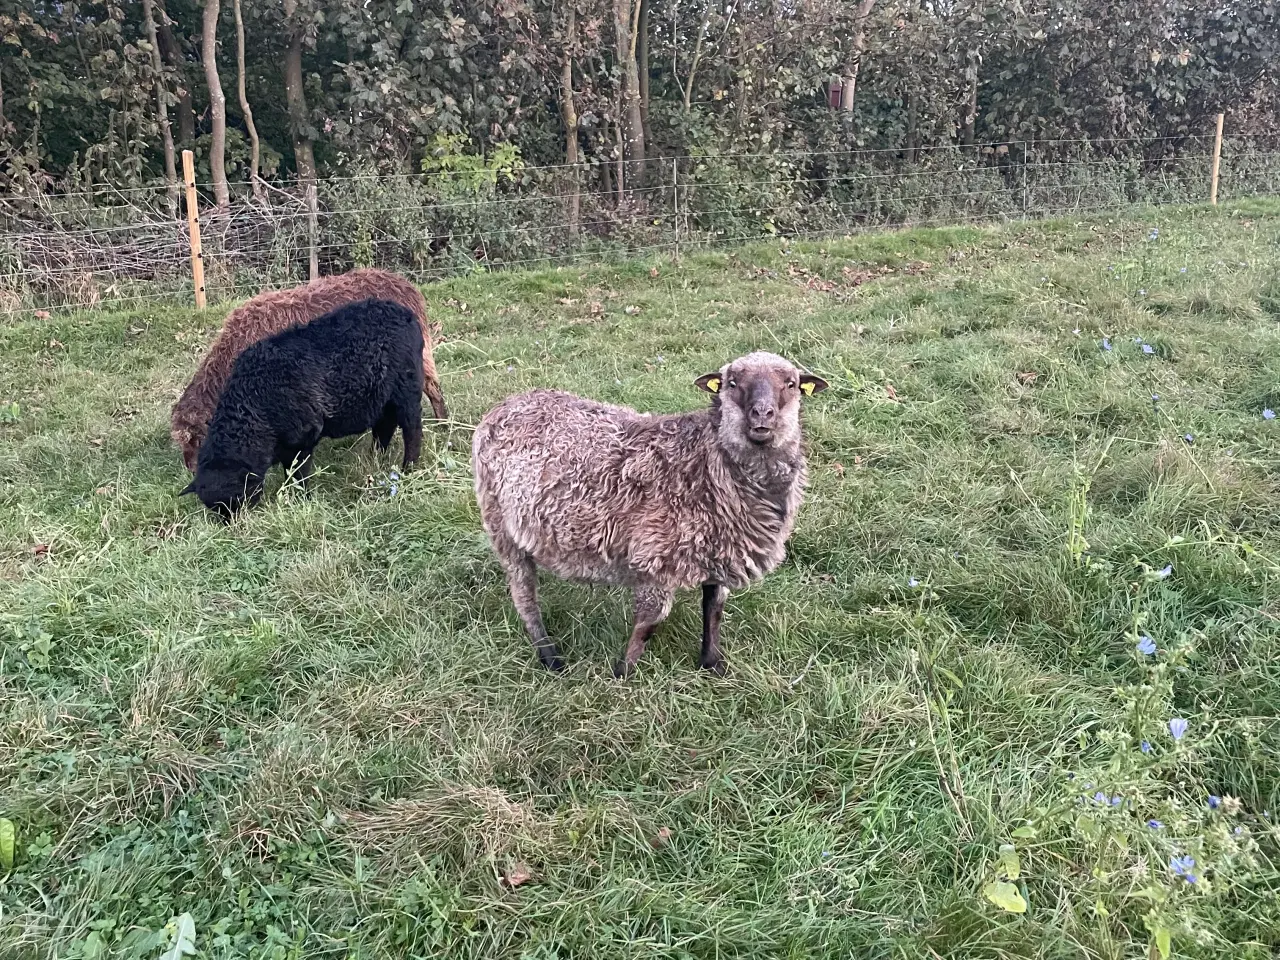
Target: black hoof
[715, 667]
[552, 662]
[622, 670]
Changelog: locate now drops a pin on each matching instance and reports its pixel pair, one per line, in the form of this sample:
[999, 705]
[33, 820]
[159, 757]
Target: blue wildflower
[1177, 727]
[1155, 824]
[913, 582]
[1188, 438]
[1182, 867]
[1146, 645]
[1237, 831]
[1155, 232]
[1148, 348]
[1145, 746]
[394, 475]
[1214, 802]
[1164, 572]
[1142, 293]
[1268, 414]
[1100, 798]
[1183, 270]
[1106, 345]
[1155, 398]
[394, 490]
[826, 853]
[1117, 800]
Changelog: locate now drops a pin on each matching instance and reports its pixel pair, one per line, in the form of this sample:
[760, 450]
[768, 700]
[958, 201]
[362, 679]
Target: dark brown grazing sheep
[270, 313]
[657, 503]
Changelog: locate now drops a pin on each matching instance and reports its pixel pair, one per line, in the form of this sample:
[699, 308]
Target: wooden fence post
[193, 226]
[1217, 157]
[313, 232]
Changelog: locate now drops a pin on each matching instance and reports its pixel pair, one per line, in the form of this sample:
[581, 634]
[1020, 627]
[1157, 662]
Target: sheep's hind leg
[713, 598]
[522, 578]
[652, 607]
[409, 418]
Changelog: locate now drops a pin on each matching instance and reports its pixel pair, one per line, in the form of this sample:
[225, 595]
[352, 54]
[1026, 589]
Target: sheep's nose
[762, 411]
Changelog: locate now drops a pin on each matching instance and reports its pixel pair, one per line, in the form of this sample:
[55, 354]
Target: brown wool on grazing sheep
[270, 313]
[652, 502]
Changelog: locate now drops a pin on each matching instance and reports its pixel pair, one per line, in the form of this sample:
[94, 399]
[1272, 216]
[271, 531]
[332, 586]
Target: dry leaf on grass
[891, 393]
[661, 838]
[1027, 377]
[517, 874]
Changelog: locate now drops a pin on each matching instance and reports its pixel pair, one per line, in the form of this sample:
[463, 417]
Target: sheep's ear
[709, 382]
[189, 488]
[809, 384]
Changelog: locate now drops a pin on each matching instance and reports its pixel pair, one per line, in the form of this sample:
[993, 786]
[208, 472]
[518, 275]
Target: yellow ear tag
[714, 384]
[807, 387]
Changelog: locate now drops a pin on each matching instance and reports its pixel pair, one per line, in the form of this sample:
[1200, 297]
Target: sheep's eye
[733, 383]
[791, 384]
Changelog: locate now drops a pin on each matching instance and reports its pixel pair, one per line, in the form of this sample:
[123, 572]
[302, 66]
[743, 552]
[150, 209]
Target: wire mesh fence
[119, 248]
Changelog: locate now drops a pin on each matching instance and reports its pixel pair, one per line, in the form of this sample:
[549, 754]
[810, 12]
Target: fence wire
[125, 248]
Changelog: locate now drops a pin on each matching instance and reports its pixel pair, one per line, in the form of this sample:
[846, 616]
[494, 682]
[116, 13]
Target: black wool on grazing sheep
[353, 369]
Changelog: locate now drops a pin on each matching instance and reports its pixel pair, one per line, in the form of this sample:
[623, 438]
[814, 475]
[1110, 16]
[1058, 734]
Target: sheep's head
[225, 486]
[758, 397]
[189, 439]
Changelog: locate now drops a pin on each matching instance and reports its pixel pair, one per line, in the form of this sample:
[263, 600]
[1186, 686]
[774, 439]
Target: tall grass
[321, 731]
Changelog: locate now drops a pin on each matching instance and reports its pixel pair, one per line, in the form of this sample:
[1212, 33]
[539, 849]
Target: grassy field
[322, 732]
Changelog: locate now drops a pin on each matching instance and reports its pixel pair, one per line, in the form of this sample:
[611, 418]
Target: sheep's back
[599, 492]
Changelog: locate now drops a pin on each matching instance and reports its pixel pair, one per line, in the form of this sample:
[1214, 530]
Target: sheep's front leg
[652, 607]
[713, 598]
[522, 578]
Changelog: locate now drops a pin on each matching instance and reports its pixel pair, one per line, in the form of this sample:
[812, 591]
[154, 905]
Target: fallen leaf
[630, 311]
[838, 468]
[56, 345]
[40, 549]
[857, 459]
[566, 301]
[42, 314]
[102, 491]
[597, 308]
[1027, 377]
[96, 441]
[889, 391]
[1005, 896]
[660, 839]
[517, 874]
[653, 272]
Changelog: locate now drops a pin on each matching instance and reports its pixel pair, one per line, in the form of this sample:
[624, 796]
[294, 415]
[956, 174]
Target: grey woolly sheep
[652, 502]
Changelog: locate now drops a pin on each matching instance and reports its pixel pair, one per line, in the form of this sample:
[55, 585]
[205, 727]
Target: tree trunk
[913, 126]
[4, 124]
[697, 55]
[642, 65]
[217, 104]
[162, 107]
[971, 106]
[244, 105]
[570, 113]
[296, 97]
[858, 45]
[172, 53]
[626, 16]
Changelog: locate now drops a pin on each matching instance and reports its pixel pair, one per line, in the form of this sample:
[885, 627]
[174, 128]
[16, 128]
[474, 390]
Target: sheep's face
[759, 399]
[189, 439]
[225, 487]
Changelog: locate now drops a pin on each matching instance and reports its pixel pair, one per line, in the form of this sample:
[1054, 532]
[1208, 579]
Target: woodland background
[525, 129]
